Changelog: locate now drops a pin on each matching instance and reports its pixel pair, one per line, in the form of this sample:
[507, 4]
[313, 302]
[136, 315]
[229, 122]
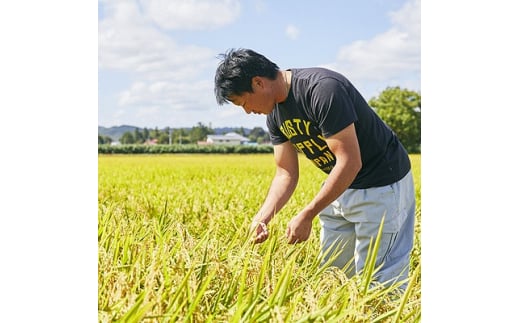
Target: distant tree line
[169, 136]
[399, 108]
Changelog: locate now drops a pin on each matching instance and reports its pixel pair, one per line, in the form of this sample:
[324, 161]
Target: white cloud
[166, 103]
[128, 43]
[191, 14]
[390, 58]
[164, 77]
[173, 95]
[292, 32]
[408, 18]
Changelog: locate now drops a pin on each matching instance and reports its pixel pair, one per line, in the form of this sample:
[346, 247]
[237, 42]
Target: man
[319, 113]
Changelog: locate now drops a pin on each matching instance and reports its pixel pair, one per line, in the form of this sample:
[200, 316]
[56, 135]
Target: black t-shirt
[321, 103]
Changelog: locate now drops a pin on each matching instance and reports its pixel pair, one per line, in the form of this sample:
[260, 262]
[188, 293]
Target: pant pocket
[370, 205]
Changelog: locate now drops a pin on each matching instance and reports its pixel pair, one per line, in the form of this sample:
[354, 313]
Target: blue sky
[157, 57]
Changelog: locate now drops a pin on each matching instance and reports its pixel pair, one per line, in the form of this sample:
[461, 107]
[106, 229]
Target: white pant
[354, 218]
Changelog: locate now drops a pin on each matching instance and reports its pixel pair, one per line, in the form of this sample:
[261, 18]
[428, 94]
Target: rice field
[174, 246]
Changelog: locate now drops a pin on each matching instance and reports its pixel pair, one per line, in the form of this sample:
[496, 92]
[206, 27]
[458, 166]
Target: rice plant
[174, 246]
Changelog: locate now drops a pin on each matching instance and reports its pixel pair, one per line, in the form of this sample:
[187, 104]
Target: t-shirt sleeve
[275, 134]
[332, 106]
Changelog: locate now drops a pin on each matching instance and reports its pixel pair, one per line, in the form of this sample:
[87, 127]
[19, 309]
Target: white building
[231, 138]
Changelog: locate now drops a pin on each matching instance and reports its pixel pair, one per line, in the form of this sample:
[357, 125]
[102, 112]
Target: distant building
[231, 138]
[151, 142]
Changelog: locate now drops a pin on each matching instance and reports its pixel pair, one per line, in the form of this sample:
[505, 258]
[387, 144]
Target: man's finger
[290, 237]
[263, 234]
[260, 238]
[260, 224]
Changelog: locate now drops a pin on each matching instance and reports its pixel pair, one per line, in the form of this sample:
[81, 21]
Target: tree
[400, 109]
[179, 136]
[127, 138]
[163, 139]
[259, 135]
[200, 132]
[155, 133]
[146, 134]
[104, 140]
[241, 131]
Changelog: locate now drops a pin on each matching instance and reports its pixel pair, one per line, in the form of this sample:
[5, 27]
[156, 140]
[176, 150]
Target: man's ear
[257, 82]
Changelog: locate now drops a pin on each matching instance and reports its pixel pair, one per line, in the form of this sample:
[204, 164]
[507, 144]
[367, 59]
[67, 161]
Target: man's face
[260, 101]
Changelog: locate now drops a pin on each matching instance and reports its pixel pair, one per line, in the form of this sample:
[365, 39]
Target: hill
[115, 132]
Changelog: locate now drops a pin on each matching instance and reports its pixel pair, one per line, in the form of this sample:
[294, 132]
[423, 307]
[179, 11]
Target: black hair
[237, 69]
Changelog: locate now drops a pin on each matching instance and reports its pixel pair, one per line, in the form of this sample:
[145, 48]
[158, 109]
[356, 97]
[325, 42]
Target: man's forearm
[345, 147]
[281, 189]
[337, 182]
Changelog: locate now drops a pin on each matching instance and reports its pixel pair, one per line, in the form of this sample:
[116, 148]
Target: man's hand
[259, 229]
[299, 229]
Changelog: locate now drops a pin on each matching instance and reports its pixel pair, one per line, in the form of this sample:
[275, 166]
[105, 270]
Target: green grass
[174, 247]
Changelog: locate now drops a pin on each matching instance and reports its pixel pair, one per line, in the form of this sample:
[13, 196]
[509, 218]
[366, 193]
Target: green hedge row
[185, 149]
